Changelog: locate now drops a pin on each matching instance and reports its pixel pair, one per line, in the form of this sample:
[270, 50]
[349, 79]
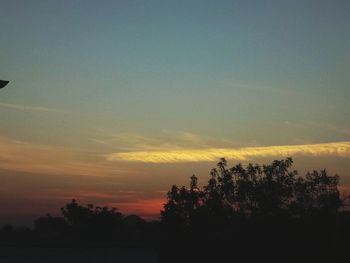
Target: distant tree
[97, 221]
[7, 229]
[50, 226]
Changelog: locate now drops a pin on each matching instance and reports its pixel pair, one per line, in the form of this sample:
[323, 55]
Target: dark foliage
[247, 213]
[255, 192]
[85, 224]
[92, 222]
[255, 213]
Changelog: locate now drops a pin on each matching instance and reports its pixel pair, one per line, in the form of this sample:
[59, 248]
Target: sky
[112, 102]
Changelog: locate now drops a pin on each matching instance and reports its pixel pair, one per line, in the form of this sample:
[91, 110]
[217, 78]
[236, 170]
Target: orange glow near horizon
[149, 209]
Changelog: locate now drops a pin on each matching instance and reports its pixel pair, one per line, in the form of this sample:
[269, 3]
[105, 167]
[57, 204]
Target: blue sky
[220, 63]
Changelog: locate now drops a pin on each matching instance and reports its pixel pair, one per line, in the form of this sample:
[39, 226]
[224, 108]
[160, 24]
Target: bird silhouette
[3, 83]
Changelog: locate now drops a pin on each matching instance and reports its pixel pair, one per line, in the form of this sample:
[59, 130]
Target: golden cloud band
[341, 149]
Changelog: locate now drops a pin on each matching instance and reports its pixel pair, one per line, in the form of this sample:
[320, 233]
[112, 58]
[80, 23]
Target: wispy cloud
[48, 159]
[341, 149]
[28, 108]
[339, 130]
[98, 141]
[164, 140]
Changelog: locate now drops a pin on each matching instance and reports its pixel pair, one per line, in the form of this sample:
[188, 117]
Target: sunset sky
[112, 102]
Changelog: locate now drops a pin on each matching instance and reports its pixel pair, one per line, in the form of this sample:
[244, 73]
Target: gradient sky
[111, 102]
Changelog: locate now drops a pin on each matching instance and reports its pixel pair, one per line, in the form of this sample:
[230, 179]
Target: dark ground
[73, 255]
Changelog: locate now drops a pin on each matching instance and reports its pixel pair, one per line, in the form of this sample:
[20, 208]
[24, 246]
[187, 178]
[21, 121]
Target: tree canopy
[252, 192]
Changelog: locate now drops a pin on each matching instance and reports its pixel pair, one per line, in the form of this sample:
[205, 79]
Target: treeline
[243, 213]
[81, 225]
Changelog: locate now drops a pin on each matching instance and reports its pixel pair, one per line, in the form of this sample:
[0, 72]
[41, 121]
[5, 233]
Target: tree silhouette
[50, 227]
[268, 209]
[245, 213]
[254, 191]
[91, 221]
